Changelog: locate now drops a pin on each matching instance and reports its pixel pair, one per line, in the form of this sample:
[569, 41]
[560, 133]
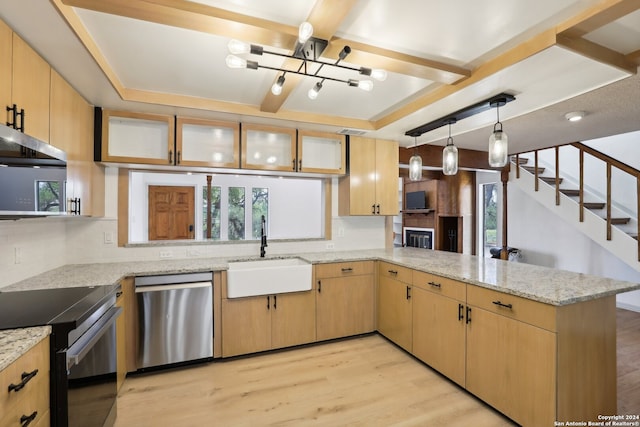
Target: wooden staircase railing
[610, 162]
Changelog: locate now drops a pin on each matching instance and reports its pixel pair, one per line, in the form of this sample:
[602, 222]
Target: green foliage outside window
[49, 196]
[236, 213]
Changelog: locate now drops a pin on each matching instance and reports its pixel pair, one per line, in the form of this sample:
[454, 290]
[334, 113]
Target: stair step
[633, 235]
[594, 205]
[570, 192]
[532, 169]
[521, 160]
[550, 179]
[620, 221]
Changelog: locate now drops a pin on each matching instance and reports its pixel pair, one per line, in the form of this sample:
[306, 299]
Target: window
[48, 196]
[489, 217]
[293, 207]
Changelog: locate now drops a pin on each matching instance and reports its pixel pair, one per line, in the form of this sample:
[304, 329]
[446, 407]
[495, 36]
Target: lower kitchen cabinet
[25, 389]
[266, 322]
[511, 365]
[395, 304]
[121, 341]
[344, 299]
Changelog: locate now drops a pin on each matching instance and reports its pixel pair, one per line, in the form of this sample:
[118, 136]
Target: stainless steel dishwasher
[175, 314]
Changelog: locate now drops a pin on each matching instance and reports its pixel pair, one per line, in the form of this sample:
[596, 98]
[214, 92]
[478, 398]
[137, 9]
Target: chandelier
[307, 50]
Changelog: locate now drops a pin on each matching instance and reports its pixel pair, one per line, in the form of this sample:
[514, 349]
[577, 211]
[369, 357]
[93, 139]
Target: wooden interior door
[171, 212]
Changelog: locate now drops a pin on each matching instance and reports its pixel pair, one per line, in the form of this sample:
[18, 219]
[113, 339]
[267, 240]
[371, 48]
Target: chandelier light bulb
[366, 85]
[276, 89]
[238, 47]
[313, 92]
[236, 62]
[498, 148]
[379, 74]
[450, 158]
[304, 32]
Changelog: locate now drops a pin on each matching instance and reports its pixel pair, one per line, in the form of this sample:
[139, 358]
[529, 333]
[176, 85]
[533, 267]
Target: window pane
[49, 196]
[236, 213]
[490, 215]
[259, 207]
[215, 213]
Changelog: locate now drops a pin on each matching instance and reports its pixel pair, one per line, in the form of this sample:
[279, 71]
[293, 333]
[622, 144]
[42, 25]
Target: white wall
[547, 240]
[48, 243]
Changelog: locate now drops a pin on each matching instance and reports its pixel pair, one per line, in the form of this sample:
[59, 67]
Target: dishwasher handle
[156, 288]
[85, 343]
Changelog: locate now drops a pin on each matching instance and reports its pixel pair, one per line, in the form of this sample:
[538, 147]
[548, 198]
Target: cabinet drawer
[440, 285]
[34, 396]
[343, 269]
[518, 308]
[393, 271]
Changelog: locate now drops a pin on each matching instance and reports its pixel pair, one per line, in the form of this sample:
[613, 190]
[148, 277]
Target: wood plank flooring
[366, 381]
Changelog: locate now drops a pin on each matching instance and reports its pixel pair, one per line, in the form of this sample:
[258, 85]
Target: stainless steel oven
[91, 369]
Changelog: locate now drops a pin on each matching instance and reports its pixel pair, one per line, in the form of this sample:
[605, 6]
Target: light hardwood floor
[366, 381]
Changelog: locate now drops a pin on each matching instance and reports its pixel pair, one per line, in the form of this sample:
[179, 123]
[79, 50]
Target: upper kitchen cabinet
[321, 152]
[268, 148]
[207, 143]
[137, 138]
[72, 131]
[25, 82]
[371, 187]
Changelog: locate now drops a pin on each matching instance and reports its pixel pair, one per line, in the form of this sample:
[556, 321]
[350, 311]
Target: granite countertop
[16, 342]
[547, 285]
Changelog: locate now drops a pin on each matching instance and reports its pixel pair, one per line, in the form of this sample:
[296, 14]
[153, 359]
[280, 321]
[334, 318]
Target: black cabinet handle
[293, 164]
[435, 285]
[26, 377]
[373, 209]
[118, 294]
[178, 157]
[347, 269]
[21, 114]
[275, 302]
[460, 310]
[468, 315]
[498, 303]
[299, 165]
[25, 420]
[268, 301]
[378, 209]
[14, 116]
[170, 157]
[408, 292]
[319, 286]
[394, 272]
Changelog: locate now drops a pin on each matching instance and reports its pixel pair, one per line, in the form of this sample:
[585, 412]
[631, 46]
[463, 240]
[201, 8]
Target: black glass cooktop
[56, 307]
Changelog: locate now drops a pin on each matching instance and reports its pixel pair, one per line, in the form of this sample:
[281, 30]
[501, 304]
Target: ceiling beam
[597, 16]
[598, 53]
[326, 16]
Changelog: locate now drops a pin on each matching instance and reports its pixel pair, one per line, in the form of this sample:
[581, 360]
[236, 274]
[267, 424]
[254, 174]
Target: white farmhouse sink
[266, 277]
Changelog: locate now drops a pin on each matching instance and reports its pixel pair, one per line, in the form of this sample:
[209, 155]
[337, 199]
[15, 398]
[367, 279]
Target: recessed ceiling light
[574, 116]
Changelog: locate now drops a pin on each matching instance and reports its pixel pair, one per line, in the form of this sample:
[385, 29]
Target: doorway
[171, 212]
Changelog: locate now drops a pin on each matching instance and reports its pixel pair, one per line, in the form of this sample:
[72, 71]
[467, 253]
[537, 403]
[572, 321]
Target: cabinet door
[293, 319]
[6, 57]
[439, 333]
[321, 152]
[137, 138]
[121, 341]
[511, 365]
[345, 306]
[362, 176]
[268, 148]
[207, 143]
[246, 325]
[386, 168]
[30, 88]
[394, 311]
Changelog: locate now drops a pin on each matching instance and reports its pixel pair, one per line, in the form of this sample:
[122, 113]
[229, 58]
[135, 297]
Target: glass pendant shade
[498, 147]
[415, 168]
[450, 159]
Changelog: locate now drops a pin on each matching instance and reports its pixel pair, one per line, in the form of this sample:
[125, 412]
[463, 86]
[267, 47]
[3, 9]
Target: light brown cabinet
[439, 330]
[25, 386]
[395, 304]
[371, 187]
[266, 322]
[344, 299]
[207, 143]
[30, 83]
[121, 340]
[72, 131]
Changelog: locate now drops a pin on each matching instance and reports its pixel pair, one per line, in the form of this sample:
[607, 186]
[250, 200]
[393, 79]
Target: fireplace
[416, 237]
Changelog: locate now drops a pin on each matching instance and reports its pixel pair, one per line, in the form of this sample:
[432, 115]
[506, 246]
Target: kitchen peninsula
[538, 344]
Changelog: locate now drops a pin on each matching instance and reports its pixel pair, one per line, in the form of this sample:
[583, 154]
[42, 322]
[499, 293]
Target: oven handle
[81, 347]
[156, 288]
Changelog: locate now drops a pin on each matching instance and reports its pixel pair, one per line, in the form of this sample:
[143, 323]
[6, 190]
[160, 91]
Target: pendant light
[498, 141]
[450, 156]
[415, 164]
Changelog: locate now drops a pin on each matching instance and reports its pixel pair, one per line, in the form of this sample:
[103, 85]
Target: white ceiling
[123, 58]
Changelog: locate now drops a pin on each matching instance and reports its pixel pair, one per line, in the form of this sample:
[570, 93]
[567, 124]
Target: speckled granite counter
[16, 342]
[542, 284]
